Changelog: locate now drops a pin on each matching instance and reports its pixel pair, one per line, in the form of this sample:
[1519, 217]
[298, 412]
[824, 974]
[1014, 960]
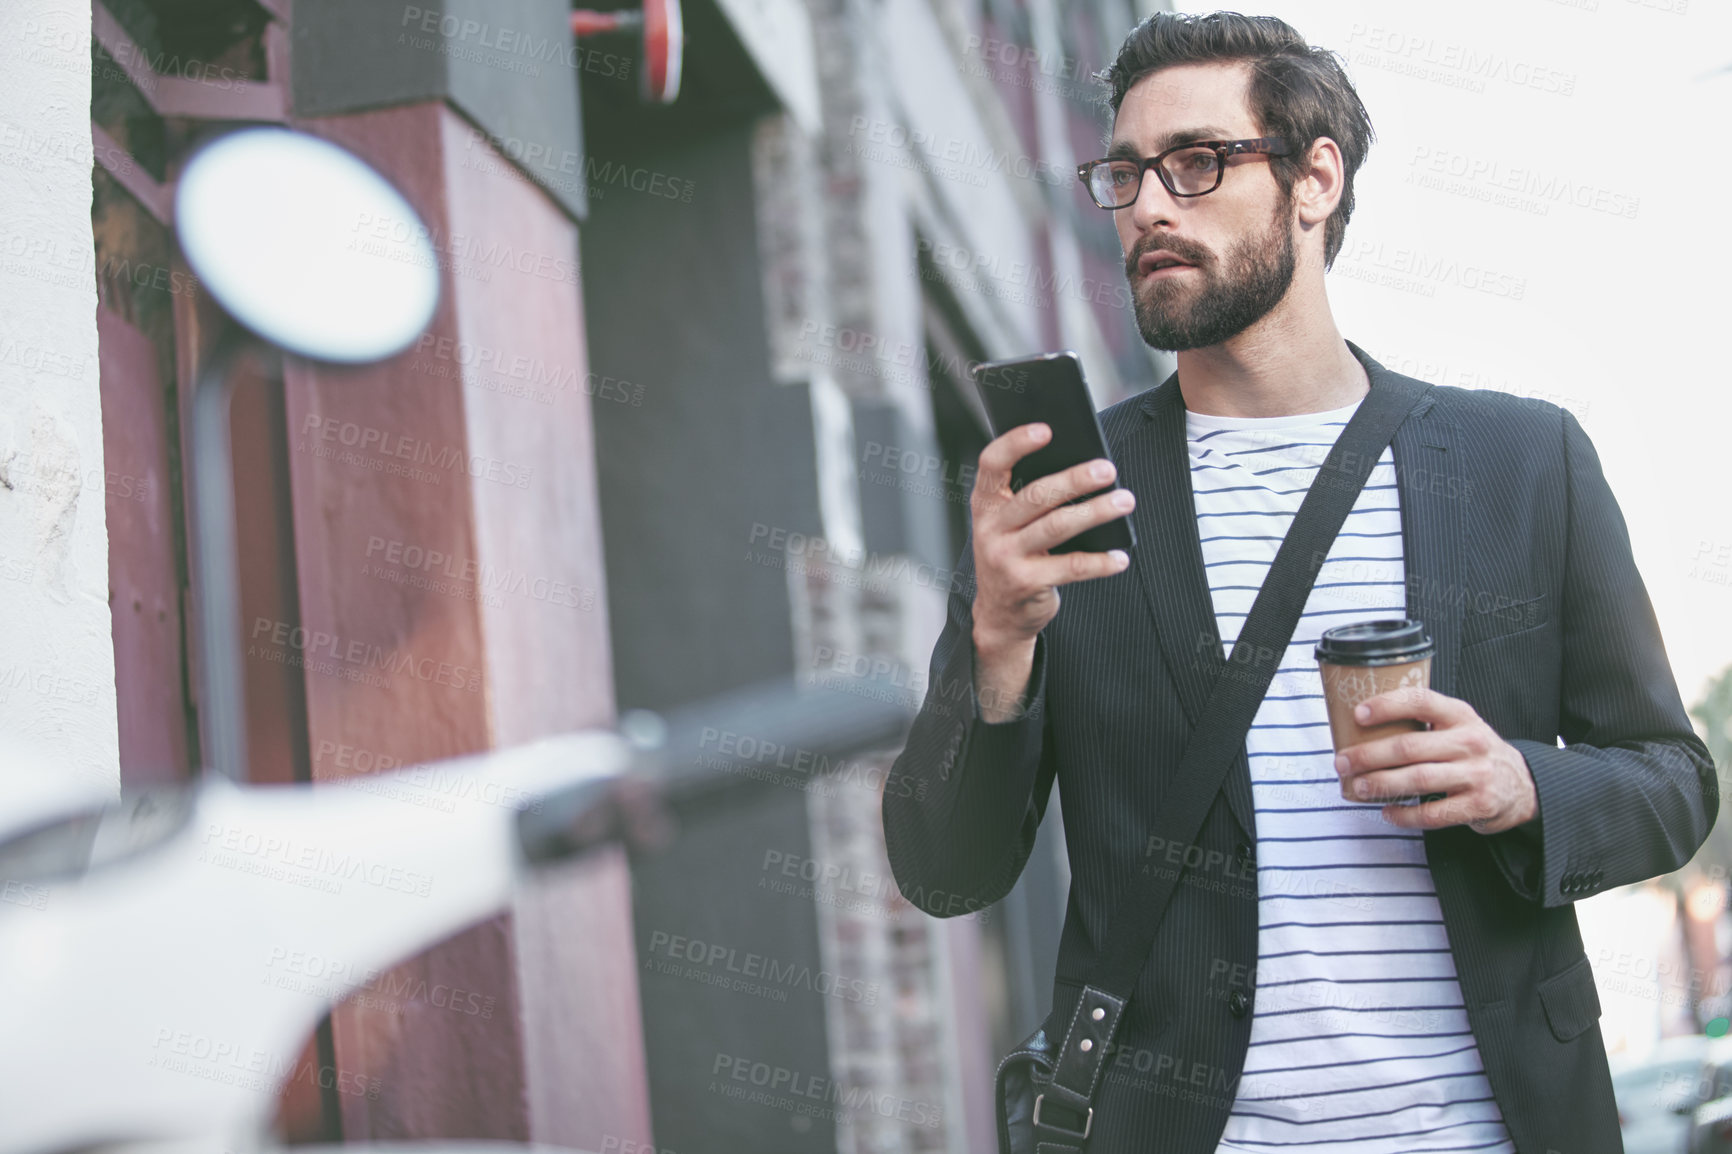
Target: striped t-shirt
[1359, 1038]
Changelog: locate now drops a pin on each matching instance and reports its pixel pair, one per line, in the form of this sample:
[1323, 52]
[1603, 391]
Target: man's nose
[1154, 204]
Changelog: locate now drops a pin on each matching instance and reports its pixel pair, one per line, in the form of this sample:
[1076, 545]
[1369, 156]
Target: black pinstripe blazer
[1519, 563]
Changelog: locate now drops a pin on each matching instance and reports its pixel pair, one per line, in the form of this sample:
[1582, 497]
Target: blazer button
[1238, 1004]
[1245, 855]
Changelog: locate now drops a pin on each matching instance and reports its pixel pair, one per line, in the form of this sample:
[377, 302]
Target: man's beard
[1176, 316]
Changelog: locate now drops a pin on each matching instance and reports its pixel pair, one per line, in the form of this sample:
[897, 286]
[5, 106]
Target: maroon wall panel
[143, 579]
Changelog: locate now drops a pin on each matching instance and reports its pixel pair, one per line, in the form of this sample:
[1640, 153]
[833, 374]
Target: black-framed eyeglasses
[1194, 168]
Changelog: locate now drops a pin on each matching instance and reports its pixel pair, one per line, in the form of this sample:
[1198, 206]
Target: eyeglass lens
[1190, 171]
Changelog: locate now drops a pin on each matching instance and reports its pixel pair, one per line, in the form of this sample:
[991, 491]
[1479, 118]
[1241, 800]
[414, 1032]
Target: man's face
[1237, 241]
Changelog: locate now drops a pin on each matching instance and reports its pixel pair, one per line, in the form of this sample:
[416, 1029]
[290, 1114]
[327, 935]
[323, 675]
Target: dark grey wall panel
[700, 483]
[908, 486]
[511, 66]
[703, 479]
[729, 909]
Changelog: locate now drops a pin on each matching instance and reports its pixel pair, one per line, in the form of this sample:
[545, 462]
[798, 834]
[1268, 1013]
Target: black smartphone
[1051, 388]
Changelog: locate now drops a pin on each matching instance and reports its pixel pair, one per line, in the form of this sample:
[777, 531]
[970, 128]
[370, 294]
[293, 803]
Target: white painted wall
[57, 701]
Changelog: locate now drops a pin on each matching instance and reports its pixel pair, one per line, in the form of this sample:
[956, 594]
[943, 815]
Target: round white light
[307, 246]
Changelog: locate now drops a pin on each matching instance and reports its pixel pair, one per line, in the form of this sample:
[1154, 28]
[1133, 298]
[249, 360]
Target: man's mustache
[1180, 250]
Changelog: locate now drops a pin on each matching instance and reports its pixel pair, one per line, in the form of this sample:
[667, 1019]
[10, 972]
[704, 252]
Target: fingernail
[1039, 432]
[1100, 470]
[1362, 714]
[1120, 558]
[1123, 499]
[1341, 763]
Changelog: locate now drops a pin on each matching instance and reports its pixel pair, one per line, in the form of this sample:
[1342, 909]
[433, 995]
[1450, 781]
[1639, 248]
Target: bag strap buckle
[1069, 1132]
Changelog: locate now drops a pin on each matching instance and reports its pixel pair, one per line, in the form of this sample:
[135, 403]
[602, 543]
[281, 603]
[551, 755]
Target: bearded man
[1339, 968]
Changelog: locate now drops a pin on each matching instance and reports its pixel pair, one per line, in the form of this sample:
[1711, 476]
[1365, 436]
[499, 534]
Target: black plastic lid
[1374, 642]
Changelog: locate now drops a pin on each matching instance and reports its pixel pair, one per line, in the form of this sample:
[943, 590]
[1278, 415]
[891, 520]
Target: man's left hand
[1485, 779]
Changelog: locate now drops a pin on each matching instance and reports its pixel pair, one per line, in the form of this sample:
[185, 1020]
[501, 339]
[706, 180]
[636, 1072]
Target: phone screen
[1050, 388]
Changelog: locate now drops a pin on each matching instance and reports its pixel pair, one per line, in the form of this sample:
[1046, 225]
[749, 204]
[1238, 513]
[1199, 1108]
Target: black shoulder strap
[1217, 742]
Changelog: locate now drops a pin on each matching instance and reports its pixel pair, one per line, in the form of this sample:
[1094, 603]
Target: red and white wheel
[664, 42]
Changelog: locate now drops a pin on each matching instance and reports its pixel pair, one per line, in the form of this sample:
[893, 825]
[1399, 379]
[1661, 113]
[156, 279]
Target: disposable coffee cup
[1365, 659]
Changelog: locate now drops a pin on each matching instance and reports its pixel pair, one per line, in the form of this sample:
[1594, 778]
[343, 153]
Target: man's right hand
[1016, 578]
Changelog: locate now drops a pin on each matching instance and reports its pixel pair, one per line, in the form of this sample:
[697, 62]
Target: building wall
[57, 673]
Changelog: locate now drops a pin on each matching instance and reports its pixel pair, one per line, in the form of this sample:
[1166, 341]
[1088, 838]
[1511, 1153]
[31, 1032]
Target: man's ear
[1318, 189]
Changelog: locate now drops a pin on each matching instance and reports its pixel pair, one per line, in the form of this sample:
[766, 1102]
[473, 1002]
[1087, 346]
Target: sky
[1542, 212]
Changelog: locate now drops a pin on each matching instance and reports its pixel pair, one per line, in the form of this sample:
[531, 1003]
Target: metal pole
[223, 698]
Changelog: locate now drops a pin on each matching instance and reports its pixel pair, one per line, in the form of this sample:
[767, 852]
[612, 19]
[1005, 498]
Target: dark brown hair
[1297, 91]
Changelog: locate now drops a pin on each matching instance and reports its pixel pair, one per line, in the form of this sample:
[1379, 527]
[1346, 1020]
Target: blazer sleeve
[970, 795]
[1633, 793]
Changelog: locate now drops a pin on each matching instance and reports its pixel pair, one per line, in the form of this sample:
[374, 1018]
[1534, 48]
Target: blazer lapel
[1427, 467]
[1155, 464]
